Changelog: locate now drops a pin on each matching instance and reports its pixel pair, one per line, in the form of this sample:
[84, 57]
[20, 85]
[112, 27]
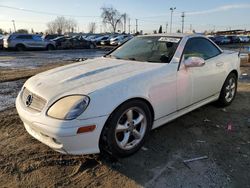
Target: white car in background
[110, 104]
[115, 41]
[244, 39]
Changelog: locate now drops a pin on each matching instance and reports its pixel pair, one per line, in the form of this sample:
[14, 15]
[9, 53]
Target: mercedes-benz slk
[111, 103]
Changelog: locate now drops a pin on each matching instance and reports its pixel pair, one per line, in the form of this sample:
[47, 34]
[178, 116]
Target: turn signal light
[86, 129]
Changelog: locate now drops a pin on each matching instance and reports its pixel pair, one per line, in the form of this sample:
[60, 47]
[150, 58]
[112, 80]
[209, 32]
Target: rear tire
[91, 46]
[228, 91]
[50, 47]
[126, 129]
[20, 47]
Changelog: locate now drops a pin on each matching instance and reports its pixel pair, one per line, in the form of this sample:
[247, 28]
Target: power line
[46, 13]
[22, 21]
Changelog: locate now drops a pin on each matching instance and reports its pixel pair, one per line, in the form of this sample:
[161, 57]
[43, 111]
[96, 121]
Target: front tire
[126, 129]
[228, 91]
[20, 47]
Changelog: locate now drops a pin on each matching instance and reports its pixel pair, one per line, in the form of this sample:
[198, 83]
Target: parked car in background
[125, 39]
[92, 37]
[23, 42]
[58, 41]
[107, 41]
[73, 43]
[51, 36]
[99, 39]
[116, 40]
[1, 41]
[220, 40]
[244, 39]
[233, 39]
[110, 104]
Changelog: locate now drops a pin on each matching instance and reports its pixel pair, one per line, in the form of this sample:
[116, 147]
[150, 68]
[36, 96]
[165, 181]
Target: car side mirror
[194, 62]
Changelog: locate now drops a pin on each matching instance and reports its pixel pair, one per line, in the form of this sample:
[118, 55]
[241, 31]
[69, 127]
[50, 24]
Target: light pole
[136, 25]
[14, 25]
[182, 16]
[172, 10]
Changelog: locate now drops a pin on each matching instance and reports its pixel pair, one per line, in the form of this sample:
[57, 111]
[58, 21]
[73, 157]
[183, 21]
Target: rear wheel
[228, 90]
[126, 129]
[50, 47]
[91, 46]
[20, 47]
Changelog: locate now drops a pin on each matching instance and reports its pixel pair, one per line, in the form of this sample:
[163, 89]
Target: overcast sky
[200, 15]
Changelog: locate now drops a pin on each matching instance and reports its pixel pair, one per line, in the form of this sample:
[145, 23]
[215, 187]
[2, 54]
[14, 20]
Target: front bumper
[114, 43]
[62, 135]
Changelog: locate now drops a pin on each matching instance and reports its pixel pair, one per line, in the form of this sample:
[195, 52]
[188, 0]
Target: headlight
[69, 107]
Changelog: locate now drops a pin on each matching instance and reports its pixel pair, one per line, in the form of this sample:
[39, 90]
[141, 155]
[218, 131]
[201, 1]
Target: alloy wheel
[130, 128]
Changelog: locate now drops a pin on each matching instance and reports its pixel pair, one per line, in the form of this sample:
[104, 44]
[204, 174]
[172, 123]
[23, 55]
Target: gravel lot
[25, 162]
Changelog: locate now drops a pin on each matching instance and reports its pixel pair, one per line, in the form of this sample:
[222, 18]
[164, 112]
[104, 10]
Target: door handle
[219, 64]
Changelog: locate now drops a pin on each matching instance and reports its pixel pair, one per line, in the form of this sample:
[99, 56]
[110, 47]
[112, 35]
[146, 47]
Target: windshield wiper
[112, 56]
[132, 59]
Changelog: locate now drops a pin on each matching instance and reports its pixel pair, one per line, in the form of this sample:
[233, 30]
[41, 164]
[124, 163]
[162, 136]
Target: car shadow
[203, 132]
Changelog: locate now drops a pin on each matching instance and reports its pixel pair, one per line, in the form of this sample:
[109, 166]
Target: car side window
[37, 38]
[24, 37]
[200, 47]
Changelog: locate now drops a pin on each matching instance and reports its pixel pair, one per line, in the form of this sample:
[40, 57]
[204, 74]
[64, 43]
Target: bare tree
[71, 25]
[61, 25]
[51, 28]
[112, 17]
[92, 27]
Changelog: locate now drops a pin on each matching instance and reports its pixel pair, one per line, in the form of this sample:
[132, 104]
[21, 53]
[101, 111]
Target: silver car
[23, 42]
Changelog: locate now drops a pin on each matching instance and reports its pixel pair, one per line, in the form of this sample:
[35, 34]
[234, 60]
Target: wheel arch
[143, 100]
[128, 100]
[234, 72]
[20, 44]
[50, 45]
[140, 99]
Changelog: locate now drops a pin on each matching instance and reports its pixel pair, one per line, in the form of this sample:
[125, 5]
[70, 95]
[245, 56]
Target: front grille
[37, 103]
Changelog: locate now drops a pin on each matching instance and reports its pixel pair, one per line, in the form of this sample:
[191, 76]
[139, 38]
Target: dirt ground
[25, 162]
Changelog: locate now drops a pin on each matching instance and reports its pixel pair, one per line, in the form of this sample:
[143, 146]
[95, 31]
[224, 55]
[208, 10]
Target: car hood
[85, 77]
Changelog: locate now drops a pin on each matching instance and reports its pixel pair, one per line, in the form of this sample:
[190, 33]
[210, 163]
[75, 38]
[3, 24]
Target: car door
[38, 42]
[196, 84]
[28, 40]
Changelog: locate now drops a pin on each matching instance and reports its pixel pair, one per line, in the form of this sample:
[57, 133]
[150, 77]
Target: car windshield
[155, 49]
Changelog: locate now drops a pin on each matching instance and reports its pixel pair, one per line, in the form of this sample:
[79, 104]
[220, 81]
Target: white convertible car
[110, 104]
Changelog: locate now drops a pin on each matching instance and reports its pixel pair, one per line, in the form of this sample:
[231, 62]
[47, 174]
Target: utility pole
[125, 19]
[129, 25]
[166, 27]
[172, 10]
[14, 25]
[183, 17]
[136, 25]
